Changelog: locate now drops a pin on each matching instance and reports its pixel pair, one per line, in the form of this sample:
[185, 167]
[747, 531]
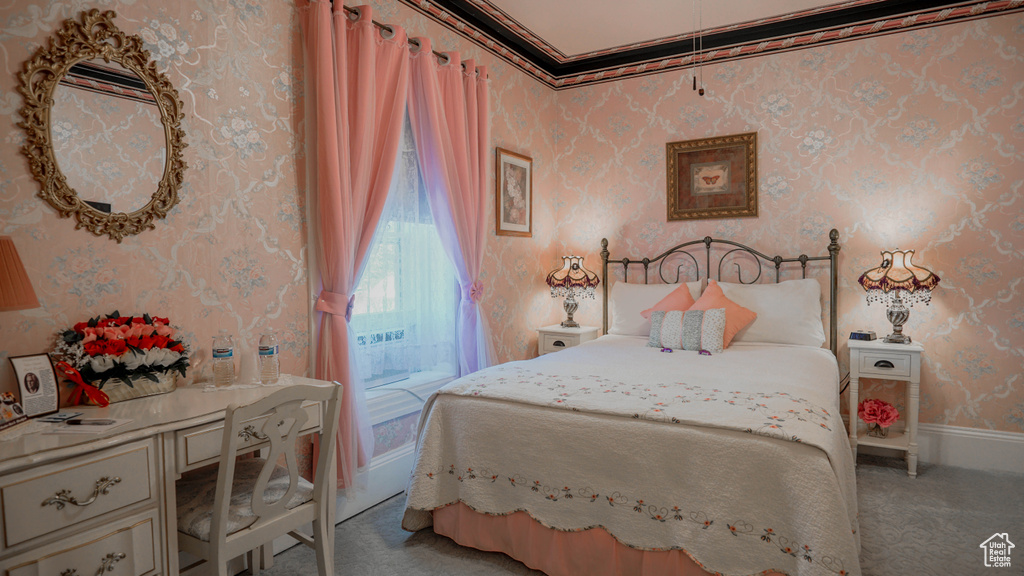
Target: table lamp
[572, 281]
[16, 291]
[897, 283]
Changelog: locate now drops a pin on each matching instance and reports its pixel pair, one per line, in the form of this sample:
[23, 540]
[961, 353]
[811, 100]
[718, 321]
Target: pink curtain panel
[449, 108]
[359, 90]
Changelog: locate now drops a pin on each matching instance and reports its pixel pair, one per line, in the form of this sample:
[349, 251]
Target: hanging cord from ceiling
[701, 18]
[697, 44]
[693, 43]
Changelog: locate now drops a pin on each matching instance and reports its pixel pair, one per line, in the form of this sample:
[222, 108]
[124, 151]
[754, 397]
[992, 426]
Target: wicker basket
[118, 391]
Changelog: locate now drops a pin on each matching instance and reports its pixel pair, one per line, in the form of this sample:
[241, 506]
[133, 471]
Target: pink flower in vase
[869, 410]
[888, 415]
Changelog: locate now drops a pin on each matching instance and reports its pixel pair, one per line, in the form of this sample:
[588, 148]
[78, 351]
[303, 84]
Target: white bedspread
[739, 458]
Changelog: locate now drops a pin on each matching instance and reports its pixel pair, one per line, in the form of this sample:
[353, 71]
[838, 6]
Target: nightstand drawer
[130, 548]
[885, 364]
[201, 445]
[49, 498]
[556, 342]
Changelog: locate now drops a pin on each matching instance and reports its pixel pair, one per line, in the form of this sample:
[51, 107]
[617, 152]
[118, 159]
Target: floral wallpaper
[232, 253]
[395, 433]
[910, 140]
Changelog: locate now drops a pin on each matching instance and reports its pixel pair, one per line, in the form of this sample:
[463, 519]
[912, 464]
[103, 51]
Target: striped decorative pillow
[689, 330]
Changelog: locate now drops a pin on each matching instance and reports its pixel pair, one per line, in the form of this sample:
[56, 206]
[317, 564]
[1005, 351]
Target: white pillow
[627, 301]
[787, 313]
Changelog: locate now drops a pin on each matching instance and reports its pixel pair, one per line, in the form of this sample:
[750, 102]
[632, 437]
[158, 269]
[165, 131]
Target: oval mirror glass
[108, 139]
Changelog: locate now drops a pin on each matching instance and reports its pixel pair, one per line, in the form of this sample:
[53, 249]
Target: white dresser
[79, 504]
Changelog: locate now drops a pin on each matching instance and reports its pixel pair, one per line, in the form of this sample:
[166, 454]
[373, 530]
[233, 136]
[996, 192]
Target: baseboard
[388, 476]
[971, 447]
[974, 448]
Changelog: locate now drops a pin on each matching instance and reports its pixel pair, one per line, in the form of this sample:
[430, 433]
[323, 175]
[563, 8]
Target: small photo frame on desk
[37, 384]
[11, 412]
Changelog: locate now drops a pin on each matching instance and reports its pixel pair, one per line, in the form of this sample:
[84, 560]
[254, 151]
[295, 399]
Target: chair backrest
[275, 422]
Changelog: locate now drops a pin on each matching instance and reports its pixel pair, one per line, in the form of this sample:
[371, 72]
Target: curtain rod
[412, 41]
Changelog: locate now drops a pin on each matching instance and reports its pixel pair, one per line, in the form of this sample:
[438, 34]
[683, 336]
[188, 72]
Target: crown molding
[495, 31]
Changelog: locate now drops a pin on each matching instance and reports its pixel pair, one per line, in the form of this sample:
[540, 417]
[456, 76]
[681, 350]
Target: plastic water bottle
[223, 359]
[270, 362]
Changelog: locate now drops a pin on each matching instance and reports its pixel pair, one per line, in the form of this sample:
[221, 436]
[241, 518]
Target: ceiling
[568, 43]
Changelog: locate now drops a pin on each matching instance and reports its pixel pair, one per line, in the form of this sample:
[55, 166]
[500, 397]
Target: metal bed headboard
[662, 259]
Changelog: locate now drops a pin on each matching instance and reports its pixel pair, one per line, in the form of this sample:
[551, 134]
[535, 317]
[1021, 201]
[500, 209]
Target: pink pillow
[679, 299]
[736, 317]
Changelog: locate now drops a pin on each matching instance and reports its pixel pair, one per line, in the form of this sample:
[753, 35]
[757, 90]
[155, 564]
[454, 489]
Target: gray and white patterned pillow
[689, 330]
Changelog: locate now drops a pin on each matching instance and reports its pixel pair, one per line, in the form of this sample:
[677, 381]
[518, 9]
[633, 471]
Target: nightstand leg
[914, 401]
[854, 386]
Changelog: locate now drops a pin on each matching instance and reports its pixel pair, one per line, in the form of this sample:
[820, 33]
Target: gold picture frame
[712, 177]
[513, 194]
[95, 36]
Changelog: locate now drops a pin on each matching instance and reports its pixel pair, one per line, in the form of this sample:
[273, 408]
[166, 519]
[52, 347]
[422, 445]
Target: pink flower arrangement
[878, 412]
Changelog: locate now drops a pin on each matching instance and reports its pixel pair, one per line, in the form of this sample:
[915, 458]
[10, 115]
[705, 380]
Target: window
[406, 301]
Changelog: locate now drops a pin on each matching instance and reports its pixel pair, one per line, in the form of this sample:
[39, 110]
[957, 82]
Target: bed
[614, 457]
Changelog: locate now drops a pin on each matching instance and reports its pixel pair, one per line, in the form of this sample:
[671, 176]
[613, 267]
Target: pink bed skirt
[592, 552]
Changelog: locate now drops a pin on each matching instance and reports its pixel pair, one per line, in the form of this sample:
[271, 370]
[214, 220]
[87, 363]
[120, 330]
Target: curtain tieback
[335, 303]
[475, 292]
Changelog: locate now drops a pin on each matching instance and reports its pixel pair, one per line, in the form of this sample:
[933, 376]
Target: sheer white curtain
[405, 305]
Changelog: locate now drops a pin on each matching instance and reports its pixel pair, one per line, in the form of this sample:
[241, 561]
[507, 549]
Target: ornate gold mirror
[103, 128]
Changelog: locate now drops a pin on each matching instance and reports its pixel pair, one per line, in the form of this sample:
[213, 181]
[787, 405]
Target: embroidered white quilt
[739, 458]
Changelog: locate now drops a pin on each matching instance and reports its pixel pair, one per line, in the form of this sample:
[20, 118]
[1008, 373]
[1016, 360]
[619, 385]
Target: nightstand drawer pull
[558, 343]
[64, 496]
[886, 364]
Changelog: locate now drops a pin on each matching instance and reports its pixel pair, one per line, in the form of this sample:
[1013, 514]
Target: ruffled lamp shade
[572, 281]
[897, 283]
[16, 291]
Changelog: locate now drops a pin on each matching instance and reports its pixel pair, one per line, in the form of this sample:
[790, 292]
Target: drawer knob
[107, 565]
[884, 364]
[109, 561]
[250, 432]
[558, 343]
[64, 496]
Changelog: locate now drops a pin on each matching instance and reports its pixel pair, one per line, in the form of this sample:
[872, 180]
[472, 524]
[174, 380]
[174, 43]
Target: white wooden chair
[218, 516]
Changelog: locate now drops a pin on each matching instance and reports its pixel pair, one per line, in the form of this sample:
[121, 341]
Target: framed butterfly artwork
[712, 177]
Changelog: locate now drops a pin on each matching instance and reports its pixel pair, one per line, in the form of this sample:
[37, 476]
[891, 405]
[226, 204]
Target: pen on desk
[89, 422]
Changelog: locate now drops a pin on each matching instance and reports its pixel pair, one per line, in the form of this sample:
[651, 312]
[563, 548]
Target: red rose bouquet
[878, 412]
[123, 347]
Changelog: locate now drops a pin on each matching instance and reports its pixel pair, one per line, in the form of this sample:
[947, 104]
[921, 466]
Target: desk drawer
[44, 499]
[892, 364]
[201, 445]
[129, 548]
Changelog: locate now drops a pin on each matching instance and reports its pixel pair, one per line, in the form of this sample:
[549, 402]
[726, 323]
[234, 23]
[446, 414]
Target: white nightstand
[876, 359]
[554, 338]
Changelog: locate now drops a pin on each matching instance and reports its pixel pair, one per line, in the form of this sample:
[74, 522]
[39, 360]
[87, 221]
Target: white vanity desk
[129, 474]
